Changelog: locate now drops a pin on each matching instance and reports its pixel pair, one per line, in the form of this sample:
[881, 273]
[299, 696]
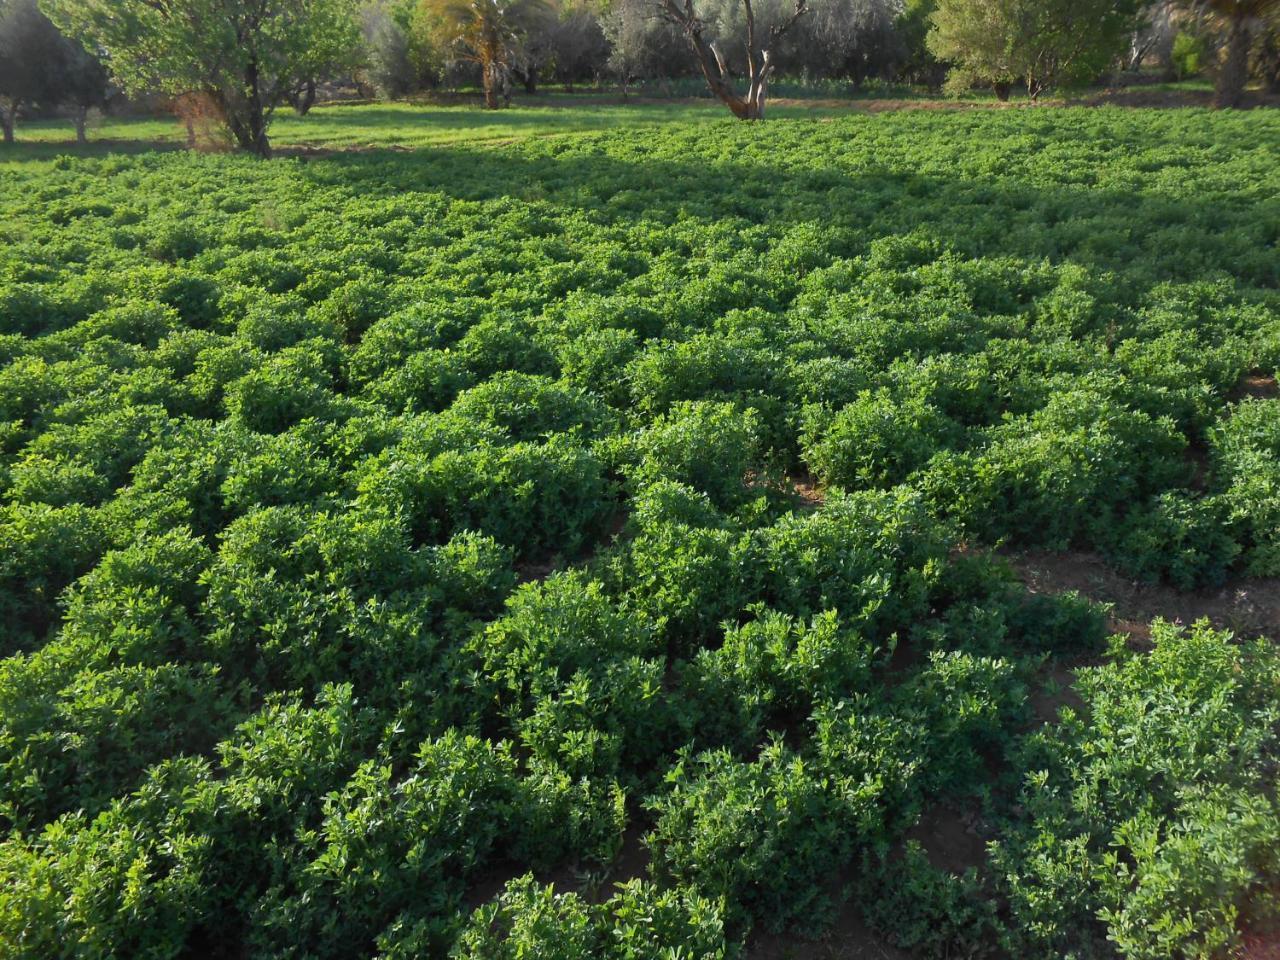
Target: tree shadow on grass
[1226, 230]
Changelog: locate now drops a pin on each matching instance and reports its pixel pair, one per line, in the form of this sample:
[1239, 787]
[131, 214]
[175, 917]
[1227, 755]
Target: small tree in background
[80, 84]
[1042, 43]
[404, 50]
[566, 45]
[487, 33]
[30, 51]
[919, 64]
[641, 42]
[246, 56]
[759, 44]
[856, 39]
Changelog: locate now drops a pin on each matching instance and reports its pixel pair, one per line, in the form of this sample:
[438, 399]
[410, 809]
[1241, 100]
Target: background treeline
[236, 62]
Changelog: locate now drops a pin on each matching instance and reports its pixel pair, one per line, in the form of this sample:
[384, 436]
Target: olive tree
[80, 84]
[857, 39]
[760, 39]
[1040, 43]
[248, 56]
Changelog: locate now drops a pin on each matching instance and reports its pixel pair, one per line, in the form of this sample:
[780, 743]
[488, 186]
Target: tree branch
[801, 8]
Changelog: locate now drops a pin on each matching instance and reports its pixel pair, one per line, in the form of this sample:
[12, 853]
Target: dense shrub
[1246, 455]
[391, 843]
[707, 446]
[764, 835]
[875, 441]
[773, 670]
[1067, 471]
[1174, 746]
[1186, 541]
[638, 922]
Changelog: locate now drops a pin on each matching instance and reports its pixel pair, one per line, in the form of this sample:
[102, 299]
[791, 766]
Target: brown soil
[805, 486]
[1258, 386]
[542, 568]
[1201, 466]
[950, 839]
[1259, 947]
[1057, 690]
[595, 884]
[848, 938]
[1248, 607]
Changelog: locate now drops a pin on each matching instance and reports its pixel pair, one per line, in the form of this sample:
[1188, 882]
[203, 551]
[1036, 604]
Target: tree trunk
[712, 63]
[251, 129]
[305, 98]
[81, 121]
[8, 114]
[530, 81]
[1233, 72]
[717, 77]
[1002, 91]
[489, 79]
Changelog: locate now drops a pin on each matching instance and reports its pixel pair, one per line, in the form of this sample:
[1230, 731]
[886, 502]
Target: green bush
[764, 836]
[1245, 447]
[1065, 472]
[926, 910]
[875, 441]
[1186, 541]
[709, 447]
[392, 842]
[771, 671]
[1144, 821]
[537, 498]
[640, 922]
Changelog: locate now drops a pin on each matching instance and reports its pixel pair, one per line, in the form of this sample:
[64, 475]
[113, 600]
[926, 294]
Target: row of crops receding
[400, 551]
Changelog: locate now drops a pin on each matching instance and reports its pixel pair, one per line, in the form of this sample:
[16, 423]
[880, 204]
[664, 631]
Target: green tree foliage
[1040, 43]
[30, 51]
[248, 55]
[486, 33]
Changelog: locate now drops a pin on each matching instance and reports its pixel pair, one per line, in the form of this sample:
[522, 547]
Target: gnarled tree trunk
[247, 114]
[712, 63]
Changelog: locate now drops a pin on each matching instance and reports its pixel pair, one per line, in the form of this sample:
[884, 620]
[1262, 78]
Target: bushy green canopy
[183, 45]
[1043, 43]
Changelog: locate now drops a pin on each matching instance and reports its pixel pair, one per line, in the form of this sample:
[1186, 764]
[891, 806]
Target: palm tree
[487, 33]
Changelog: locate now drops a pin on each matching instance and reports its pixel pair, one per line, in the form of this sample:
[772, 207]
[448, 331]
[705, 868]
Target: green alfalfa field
[602, 532]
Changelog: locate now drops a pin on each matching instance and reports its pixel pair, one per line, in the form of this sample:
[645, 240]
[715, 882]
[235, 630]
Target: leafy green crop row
[383, 535]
